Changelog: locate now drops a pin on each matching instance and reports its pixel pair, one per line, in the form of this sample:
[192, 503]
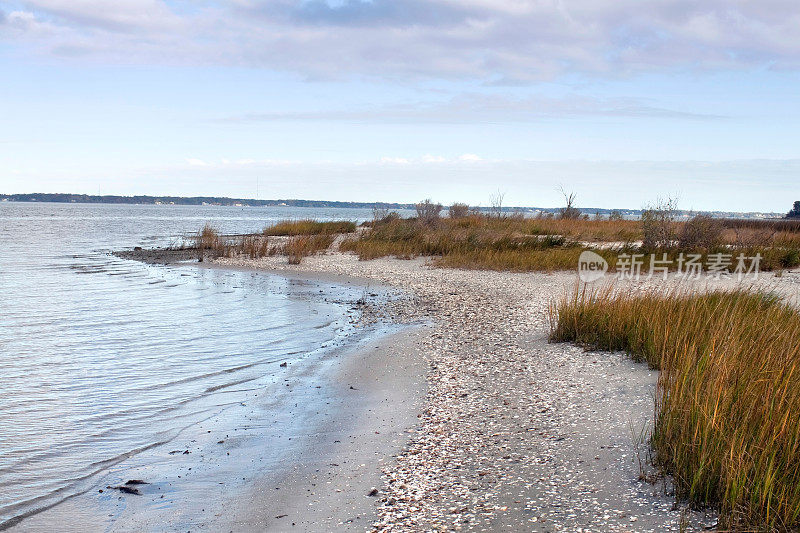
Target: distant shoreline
[222, 201]
[68, 198]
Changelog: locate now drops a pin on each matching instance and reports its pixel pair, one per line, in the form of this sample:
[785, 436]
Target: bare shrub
[379, 212]
[658, 224]
[496, 204]
[701, 232]
[428, 212]
[569, 211]
[458, 210]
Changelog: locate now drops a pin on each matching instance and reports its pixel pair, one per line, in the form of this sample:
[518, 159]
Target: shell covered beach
[515, 433]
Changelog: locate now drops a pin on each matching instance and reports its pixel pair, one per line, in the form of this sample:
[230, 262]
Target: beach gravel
[516, 433]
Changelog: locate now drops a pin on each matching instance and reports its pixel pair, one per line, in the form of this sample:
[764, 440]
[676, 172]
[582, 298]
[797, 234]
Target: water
[102, 358]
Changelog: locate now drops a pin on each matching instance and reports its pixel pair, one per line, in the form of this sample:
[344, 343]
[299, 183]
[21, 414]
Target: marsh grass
[257, 246]
[511, 242]
[305, 245]
[309, 227]
[480, 242]
[727, 424]
[207, 238]
[294, 238]
[515, 243]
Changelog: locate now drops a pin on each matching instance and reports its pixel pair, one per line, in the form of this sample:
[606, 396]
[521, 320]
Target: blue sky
[621, 102]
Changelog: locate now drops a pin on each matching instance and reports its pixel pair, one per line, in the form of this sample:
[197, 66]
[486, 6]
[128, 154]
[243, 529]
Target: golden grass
[252, 246]
[545, 244]
[309, 227]
[469, 242]
[512, 243]
[207, 238]
[305, 237]
[728, 405]
[304, 245]
[548, 260]
[257, 246]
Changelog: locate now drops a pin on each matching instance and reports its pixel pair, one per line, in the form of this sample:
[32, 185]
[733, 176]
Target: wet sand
[305, 458]
[334, 479]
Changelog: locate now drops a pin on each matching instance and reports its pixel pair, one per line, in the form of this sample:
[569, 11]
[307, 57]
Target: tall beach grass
[309, 227]
[295, 239]
[516, 243]
[727, 425]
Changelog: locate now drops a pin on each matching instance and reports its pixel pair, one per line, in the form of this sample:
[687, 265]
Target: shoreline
[514, 432]
[517, 433]
[343, 411]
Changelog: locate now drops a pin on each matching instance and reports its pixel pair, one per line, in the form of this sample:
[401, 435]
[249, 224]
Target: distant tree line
[795, 212]
[193, 200]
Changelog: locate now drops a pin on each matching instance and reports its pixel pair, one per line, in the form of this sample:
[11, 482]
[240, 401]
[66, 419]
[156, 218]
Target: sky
[618, 101]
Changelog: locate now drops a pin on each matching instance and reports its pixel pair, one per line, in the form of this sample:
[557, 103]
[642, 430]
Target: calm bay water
[102, 358]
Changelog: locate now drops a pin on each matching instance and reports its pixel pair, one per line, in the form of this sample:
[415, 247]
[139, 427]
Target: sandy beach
[516, 433]
[460, 416]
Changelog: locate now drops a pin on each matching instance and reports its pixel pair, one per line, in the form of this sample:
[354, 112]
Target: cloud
[470, 157]
[238, 163]
[395, 160]
[125, 15]
[478, 108]
[504, 41]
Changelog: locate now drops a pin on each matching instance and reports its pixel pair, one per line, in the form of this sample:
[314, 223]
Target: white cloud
[238, 163]
[503, 40]
[481, 108]
[470, 157]
[395, 161]
[123, 15]
[428, 158]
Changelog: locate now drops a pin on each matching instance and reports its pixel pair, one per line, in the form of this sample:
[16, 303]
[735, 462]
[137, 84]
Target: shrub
[701, 232]
[569, 211]
[379, 212]
[658, 225]
[458, 210]
[428, 212]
